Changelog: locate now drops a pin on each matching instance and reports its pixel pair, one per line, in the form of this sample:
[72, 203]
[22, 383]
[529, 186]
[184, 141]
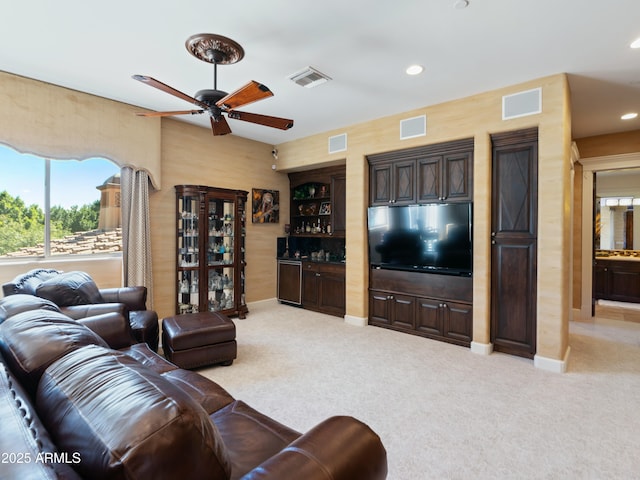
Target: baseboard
[268, 301]
[357, 321]
[551, 364]
[482, 348]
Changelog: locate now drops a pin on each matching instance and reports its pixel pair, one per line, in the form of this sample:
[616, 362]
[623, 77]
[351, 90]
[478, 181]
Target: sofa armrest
[135, 298]
[339, 448]
[112, 327]
[78, 312]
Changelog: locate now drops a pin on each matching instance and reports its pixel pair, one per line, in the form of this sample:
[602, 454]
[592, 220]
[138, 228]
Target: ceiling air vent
[309, 77]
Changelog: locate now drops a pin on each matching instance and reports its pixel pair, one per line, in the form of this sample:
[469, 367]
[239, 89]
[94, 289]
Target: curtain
[136, 230]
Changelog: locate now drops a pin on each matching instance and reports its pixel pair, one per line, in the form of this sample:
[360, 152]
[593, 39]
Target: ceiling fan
[218, 50]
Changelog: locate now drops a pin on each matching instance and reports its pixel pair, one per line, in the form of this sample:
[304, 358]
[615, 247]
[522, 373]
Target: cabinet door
[624, 283]
[339, 204]
[404, 182]
[381, 184]
[457, 321]
[600, 282]
[404, 312]
[332, 294]
[429, 178]
[310, 287]
[428, 317]
[457, 178]
[379, 308]
[290, 282]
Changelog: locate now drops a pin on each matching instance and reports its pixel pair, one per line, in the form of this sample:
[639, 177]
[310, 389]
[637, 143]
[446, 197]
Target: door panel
[514, 242]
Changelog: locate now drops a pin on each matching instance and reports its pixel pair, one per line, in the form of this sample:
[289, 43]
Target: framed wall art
[265, 206]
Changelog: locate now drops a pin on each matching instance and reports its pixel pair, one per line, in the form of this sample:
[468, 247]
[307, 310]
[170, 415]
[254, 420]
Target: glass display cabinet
[210, 243]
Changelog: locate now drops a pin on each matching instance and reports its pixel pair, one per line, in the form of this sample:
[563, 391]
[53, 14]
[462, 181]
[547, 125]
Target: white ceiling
[363, 45]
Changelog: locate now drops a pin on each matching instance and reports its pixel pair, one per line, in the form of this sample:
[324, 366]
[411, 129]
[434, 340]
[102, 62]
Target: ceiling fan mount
[212, 48]
[218, 50]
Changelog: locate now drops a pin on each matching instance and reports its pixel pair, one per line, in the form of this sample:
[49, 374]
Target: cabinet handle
[493, 242]
[444, 305]
[317, 274]
[389, 297]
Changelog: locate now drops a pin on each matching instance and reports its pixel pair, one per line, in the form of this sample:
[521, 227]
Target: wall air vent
[309, 77]
[522, 104]
[338, 143]
[413, 127]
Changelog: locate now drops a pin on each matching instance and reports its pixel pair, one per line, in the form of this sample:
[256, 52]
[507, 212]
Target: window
[58, 207]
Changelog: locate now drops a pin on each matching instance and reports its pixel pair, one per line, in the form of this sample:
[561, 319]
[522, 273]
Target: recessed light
[629, 116]
[635, 43]
[414, 69]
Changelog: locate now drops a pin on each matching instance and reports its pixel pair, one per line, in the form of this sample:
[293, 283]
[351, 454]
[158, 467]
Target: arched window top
[58, 207]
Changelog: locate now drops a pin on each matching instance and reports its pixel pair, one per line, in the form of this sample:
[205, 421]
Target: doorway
[590, 167]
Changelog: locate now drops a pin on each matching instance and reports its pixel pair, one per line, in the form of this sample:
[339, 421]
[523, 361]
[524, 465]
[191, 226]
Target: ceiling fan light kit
[218, 50]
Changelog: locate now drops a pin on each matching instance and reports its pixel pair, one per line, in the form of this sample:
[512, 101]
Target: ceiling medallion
[212, 48]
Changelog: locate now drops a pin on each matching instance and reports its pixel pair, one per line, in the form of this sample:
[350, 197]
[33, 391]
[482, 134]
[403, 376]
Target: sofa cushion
[28, 282]
[14, 304]
[126, 421]
[26, 447]
[70, 288]
[250, 436]
[30, 341]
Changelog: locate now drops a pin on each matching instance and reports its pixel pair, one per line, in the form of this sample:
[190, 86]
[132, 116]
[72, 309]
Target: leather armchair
[78, 297]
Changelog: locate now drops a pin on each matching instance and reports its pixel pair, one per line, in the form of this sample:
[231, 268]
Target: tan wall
[105, 271]
[192, 156]
[474, 117]
[612, 144]
[59, 123]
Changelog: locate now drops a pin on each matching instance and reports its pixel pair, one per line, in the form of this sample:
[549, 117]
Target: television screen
[429, 237]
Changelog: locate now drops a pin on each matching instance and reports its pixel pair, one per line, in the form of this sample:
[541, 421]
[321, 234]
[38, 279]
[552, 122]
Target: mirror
[617, 224]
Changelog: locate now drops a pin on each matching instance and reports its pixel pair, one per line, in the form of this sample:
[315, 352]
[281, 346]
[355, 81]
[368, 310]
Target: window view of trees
[84, 216]
[23, 226]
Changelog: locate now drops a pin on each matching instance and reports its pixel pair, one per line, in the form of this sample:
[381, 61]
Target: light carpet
[443, 412]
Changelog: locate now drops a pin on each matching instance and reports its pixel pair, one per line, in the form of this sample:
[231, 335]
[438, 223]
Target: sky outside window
[72, 182]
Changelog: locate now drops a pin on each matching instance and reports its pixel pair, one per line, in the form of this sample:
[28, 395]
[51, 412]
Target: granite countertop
[632, 255]
[308, 259]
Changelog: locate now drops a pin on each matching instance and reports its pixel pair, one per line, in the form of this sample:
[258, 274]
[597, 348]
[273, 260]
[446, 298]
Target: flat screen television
[431, 237]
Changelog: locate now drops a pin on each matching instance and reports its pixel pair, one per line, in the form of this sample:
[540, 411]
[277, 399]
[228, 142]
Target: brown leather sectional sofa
[79, 404]
[79, 297]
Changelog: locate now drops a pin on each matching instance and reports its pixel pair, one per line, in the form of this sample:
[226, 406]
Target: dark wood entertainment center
[433, 305]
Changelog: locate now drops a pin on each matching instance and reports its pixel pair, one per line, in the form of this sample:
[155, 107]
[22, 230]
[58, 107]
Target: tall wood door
[514, 242]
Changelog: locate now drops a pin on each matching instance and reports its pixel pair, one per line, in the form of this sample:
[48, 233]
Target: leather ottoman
[193, 340]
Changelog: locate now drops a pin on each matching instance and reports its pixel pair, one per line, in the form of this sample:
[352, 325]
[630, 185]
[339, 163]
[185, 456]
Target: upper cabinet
[318, 202]
[428, 174]
[393, 182]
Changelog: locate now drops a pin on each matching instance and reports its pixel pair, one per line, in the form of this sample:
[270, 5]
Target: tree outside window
[58, 207]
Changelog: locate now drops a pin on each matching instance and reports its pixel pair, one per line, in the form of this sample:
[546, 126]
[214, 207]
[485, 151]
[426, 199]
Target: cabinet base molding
[356, 321]
[551, 364]
[482, 348]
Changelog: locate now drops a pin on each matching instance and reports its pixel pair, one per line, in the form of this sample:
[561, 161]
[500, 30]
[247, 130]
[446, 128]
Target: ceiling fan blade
[266, 120]
[167, 89]
[220, 126]
[168, 114]
[251, 92]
